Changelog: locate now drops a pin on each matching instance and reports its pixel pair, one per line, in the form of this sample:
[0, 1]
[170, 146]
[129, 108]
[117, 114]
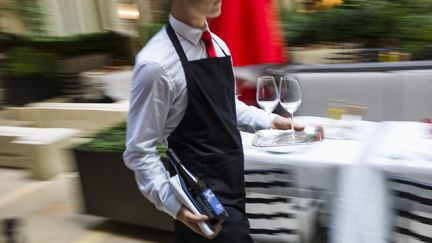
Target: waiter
[183, 95]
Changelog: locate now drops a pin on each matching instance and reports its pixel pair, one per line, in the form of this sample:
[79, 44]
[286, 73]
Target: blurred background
[65, 73]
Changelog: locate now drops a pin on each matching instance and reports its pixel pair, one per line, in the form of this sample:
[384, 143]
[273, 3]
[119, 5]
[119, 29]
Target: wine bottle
[195, 188]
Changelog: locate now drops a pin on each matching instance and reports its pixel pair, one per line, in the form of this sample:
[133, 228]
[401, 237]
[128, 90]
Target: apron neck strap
[220, 47]
[173, 37]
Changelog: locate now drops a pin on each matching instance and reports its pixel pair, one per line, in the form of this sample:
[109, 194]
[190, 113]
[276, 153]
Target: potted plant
[29, 75]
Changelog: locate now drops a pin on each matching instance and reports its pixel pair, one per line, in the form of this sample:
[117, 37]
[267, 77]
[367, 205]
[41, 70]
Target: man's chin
[214, 15]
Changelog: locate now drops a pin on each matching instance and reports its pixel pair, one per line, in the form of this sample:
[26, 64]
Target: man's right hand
[191, 220]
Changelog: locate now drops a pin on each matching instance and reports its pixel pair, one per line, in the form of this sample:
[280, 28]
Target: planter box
[20, 91]
[109, 190]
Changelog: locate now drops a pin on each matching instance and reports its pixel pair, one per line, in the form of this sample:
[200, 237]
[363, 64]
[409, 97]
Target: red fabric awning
[252, 31]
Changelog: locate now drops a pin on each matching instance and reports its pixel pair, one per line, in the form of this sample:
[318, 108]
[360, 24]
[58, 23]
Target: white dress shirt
[158, 103]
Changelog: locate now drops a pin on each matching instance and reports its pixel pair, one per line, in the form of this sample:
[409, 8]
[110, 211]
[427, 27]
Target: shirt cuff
[265, 122]
[172, 205]
[273, 116]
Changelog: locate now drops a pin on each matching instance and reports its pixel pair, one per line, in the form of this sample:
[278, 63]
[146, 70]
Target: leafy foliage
[113, 140]
[374, 23]
[26, 61]
[37, 56]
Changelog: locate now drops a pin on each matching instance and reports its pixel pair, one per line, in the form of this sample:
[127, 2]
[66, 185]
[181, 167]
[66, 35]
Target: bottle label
[213, 201]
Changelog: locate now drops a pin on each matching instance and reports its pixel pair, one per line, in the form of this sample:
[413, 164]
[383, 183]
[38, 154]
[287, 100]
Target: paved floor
[49, 212]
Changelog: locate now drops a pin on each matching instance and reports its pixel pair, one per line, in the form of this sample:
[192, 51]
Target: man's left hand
[284, 123]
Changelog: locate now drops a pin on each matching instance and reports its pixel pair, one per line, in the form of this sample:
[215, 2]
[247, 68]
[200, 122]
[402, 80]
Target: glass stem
[292, 125]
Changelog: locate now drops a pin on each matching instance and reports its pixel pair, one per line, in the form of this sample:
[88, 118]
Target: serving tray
[273, 137]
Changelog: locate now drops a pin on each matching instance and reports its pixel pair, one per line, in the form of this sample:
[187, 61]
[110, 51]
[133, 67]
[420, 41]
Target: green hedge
[21, 63]
[403, 24]
[108, 42]
[37, 56]
[112, 140]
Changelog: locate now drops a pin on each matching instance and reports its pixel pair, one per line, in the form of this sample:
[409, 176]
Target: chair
[412, 210]
[278, 210]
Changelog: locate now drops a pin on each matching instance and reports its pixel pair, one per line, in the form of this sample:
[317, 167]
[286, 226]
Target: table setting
[287, 93]
[404, 147]
[367, 202]
[314, 158]
[351, 161]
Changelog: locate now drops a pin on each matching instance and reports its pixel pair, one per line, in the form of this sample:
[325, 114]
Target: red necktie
[206, 38]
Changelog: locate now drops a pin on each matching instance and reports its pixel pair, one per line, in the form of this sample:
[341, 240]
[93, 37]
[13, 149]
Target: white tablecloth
[321, 166]
[364, 207]
[404, 147]
[353, 164]
[310, 162]
[344, 146]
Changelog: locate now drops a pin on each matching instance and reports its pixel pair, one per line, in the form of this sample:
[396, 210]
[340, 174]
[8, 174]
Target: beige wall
[62, 18]
[145, 9]
[70, 17]
[10, 22]
[82, 16]
[111, 21]
[288, 4]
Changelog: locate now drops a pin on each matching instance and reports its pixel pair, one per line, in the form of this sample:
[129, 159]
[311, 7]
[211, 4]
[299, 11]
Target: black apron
[208, 142]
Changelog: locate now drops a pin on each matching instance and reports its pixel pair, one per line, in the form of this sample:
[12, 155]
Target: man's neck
[188, 18]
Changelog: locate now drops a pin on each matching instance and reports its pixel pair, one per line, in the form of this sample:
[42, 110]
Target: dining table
[315, 169]
[401, 161]
[395, 167]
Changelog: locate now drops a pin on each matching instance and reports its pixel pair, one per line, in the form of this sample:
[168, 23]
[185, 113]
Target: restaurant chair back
[279, 210]
[412, 210]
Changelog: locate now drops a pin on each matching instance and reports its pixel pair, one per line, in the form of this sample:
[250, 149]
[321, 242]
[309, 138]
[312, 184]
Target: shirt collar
[191, 34]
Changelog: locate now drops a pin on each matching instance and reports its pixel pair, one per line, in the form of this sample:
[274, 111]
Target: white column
[145, 10]
[88, 16]
[106, 14]
[70, 17]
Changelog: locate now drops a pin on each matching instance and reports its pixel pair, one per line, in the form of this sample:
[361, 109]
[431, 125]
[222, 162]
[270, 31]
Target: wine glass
[289, 96]
[267, 94]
